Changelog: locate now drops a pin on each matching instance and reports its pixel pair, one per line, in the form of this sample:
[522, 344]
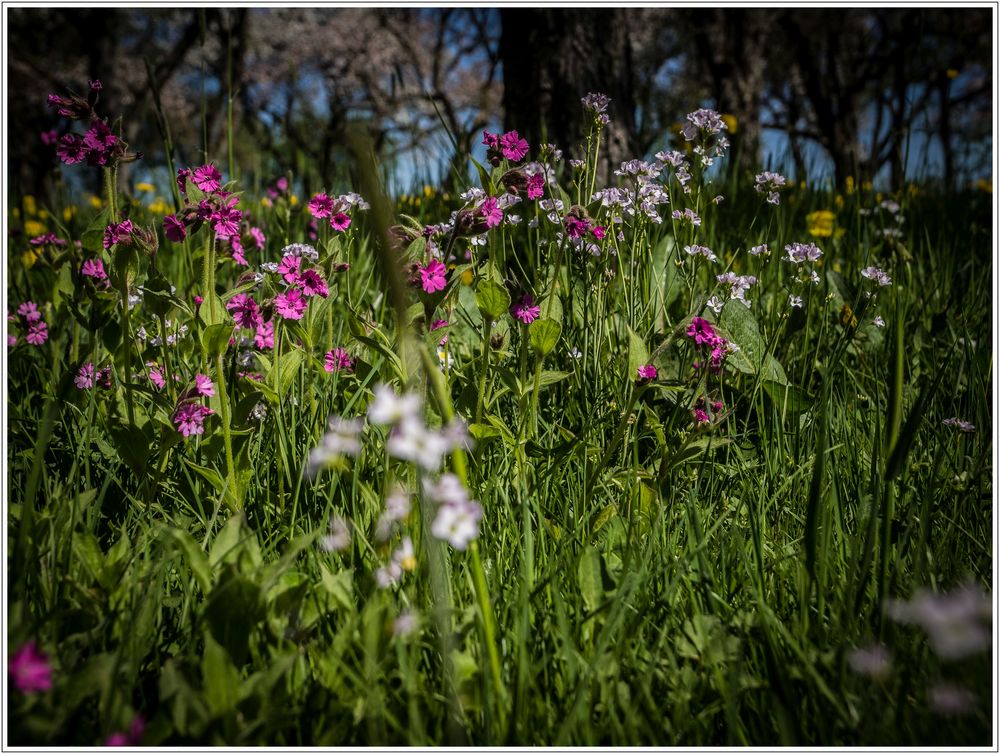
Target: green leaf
[588, 575]
[92, 238]
[220, 676]
[638, 354]
[196, 558]
[232, 610]
[739, 326]
[340, 586]
[215, 339]
[492, 299]
[547, 377]
[132, 444]
[543, 334]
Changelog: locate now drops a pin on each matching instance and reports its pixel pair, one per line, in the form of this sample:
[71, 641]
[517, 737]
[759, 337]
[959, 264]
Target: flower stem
[227, 435]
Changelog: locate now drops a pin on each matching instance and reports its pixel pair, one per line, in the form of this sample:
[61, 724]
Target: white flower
[878, 321]
[388, 408]
[756, 251]
[405, 623]
[715, 304]
[388, 575]
[957, 624]
[874, 273]
[343, 439]
[703, 251]
[300, 250]
[404, 556]
[339, 538]
[959, 424]
[795, 302]
[458, 523]
[412, 441]
[802, 252]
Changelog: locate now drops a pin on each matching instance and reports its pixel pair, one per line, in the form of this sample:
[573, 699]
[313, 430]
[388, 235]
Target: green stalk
[484, 370]
[111, 188]
[227, 435]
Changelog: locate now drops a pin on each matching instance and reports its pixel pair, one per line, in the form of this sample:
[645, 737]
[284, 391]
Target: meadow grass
[640, 576]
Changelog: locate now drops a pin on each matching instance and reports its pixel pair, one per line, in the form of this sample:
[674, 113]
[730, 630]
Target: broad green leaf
[196, 558]
[543, 334]
[492, 299]
[220, 677]
[588, 575]
[215, 339]
[638, 354]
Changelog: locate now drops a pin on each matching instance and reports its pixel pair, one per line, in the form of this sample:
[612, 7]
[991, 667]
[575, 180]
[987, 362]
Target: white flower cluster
[802, 252]
[769, 183]
[738, 285]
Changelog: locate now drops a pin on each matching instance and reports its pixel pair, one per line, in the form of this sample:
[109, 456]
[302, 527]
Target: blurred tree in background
[851, 86]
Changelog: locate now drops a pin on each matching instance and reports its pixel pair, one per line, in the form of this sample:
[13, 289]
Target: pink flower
[94, 268]
[132, 738]
[321, 205]
[264, 338]
[174, 229]
[49, 137]
[182, 178]
[281, 184]
[207, 178]
[236, 247]
[702, 331]
[514, 148]
[313, 284]
[701, 416]
[226, 218]
[203, 385]
[576, 227]
[100, 143]
[156, 375]
[29, 310]
[492, 141]
[525, 309]
[103, 378]
[49, 238]
[84, 379]
[11, 341]
[258, 237]
[289, 268]
[71, 149]
[29, 669]
[647, 373]
[118, 233]
[492, 212]
[432, 276]
[340, 222]
[438, 324]
[244, 310]
[291, 304]
[190, 418]
[338, 360]
[38, 333]
[598, 231]
[536, 186]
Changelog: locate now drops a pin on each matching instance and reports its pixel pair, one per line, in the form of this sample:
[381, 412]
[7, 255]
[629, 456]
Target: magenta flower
[29, 669]
[576, 227]
[264, 337]
[29, 310]
[47, 238]
[281, 184]
[536, 186]
[100, 143]
[338, 360]
[514, 148]
[226, 218]
[598, 231]
[103, 378]
[492, 212]
[702, 331]
[321, 205]
[236, 245]
[38, 333]
[118, 233]
[258, 237]
[288, 268]
[49, 137]
[131, 738]
[244, 310]
[156, 375]
[71, 149]
[291, 304]
[492, 141]
[84, 379]
[11, 341]
[647, 373]
[432, 276]
[203, 385]
[340, 222]
[190, 418]
[182, 178]
[438, 324]
[207, 178]
[174, 229]
[701, 416]
[525, 309]
[313, 284]
[94, 268]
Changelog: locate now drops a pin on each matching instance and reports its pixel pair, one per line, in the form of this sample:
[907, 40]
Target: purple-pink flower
[646, 373]
[576, 227]
[338, 360]
[29, 310]
[203, 385]
[288, 268]
[133, 737]
[30, 670]
[84, 379]
[258, 237]
[226, 218]
[321, 205]
[38, 333]
[71, 149]
[94, 268]
[156, 375]
[190, 418]
[536, 186]
[432, 276]
[525, 309]
[339, 221]
[207, 178]
[313, 284]
[291, 304]
[492, 212]
[264, 337]
[244, 310]
[118, 233]
[514, 148]
[174, 228]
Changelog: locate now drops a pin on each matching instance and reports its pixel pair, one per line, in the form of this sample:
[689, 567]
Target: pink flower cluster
[217, 209]
[700, 411]
[578, 227]
[338, 360]
[29, 669]
[94, 269]
[337, 209]
[708, 342]
[36, 330]
[118, 233]
[510, 146]
[525, 309]
[303, 285]
[432, 276]
[646, 374]
[87, 377]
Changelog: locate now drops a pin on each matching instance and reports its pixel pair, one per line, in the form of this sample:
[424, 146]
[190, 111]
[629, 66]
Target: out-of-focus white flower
[957, 624]
[388, 408]
[412, 441]
[342, 439]
[874, 661]
[339, 538]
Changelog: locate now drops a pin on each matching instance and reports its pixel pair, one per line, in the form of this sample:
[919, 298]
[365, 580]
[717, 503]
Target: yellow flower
[849, 184]
[95, 201]
[985, 184]
[265, 202]
[467, 277]
[29, 205]
[866, 186]
[838, 201]
[33, 228]
[912, 190]
[43, 213]
[293, 200]
[69, 213]
[428, 191]
[951, 73]
[30, 257]
[16, 212]
[160, 207]
[879, 198]
[730, 121]
[149, 188]
[821, 223]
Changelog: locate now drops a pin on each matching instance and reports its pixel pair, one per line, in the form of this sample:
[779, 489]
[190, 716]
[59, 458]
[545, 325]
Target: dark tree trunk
[551, 59]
